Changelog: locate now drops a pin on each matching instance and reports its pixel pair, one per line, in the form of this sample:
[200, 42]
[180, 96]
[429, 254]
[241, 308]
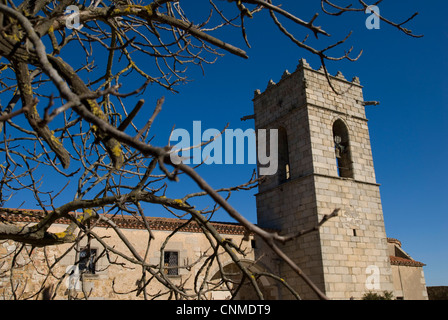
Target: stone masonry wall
[115, 277]
[354, 243]
[289, 206]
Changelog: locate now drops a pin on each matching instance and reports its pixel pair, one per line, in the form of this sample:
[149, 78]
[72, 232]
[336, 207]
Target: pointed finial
[285, 74]
[340, 75]
[257, 92]
[271, 83]
[303, 63]
[356, 80]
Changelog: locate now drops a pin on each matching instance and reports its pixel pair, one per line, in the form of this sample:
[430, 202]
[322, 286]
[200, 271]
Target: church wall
[114, 277]
[354, 246]
[409, 283]
[289, 208]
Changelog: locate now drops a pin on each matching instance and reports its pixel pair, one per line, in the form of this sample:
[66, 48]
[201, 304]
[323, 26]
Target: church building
[324, 164]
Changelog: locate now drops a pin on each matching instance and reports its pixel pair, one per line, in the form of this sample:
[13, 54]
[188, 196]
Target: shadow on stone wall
[438, 293]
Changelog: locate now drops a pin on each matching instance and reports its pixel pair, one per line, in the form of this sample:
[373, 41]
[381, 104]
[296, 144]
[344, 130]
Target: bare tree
[75, 116]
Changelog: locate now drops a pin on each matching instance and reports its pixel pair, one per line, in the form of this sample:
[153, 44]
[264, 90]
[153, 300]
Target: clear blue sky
[409, 129]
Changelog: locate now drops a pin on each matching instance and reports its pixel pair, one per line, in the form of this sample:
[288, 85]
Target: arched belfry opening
[284, 173]
[342, 149]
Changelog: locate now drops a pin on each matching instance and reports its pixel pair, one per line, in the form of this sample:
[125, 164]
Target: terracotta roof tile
[398, 261]
[130, 222]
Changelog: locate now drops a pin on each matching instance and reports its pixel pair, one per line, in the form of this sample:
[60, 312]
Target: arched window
[283, 156]
[342, 149]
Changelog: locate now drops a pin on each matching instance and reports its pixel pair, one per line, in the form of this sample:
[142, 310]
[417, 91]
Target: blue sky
[409, 129]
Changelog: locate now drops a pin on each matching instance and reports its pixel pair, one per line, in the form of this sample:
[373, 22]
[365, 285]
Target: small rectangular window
[87, 261]
[253, 244]
[171, 263]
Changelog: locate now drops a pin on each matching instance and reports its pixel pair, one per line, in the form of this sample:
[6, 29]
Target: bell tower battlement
[324, 162]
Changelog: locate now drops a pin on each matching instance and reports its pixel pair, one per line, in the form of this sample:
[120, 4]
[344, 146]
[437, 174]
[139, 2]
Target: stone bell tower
[324, 162]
